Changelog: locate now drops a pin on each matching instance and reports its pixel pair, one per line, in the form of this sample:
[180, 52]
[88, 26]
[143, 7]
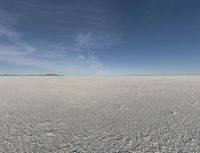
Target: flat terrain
[113, 114]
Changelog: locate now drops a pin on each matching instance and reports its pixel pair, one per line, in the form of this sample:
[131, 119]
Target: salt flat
[100, 114]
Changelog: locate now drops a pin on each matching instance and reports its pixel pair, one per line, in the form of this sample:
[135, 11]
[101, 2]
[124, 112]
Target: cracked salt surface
[100, 114]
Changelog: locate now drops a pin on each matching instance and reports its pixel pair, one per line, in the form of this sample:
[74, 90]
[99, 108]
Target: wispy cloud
[19, 52]
[84, 40]
[65, 46]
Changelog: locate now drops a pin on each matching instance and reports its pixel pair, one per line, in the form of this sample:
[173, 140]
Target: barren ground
[113, 114]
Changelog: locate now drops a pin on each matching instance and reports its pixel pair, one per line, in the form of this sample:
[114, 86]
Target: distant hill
[48, 74]
[9, 75]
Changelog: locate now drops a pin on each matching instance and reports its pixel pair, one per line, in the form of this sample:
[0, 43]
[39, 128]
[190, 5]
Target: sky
[100, 37]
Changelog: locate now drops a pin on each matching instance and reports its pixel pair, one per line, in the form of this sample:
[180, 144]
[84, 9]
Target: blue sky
[100, 37]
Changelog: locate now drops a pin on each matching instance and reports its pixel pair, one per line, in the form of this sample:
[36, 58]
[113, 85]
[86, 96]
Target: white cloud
[19, 52]
[84, 39]
[79, 58]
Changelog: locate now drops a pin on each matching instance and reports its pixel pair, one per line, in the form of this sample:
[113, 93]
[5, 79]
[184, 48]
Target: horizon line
[99, 74]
